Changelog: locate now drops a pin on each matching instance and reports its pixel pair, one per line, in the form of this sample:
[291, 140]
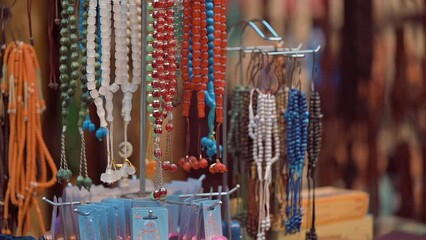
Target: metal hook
[212, 207]
[85, 214]
[150, 215]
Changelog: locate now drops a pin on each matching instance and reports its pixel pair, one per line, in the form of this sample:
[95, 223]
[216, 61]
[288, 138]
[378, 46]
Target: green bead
[64, 22]
[63, 77]
[87, 183]
[60, 175]
[149, 78]
[72, 19]
[150, 39]
[150, 28]
[150, 109]
[73, 84]
[85, 15]
[70, 10]
[152, 196]
[64, 41]
[97, 66]
[149, 68]
[149, 98]
[64, 105]
[84, 62]
[97, 74]
[149, 48]
[74, 56]
[63, 59]
[74, 37]
[151, 118]
[84, 32]
[150, 19]
[75, 75]
[63, 68]
[149, 87]
[65, 32]
[79, 181]
[149, 58]
[67, 174]
[70, 92]
[75, 66]
[63, 50]
[64, 86]
[74, 47]
[150, 7]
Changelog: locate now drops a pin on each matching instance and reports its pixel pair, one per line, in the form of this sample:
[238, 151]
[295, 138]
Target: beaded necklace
[297, 118]
[27, 147]
[263, 129]
[163, 73]
[69, 74]
[194, 70]
[209, 142]
[220, 43]
[127, 87]
[83, 179]
[314, 147]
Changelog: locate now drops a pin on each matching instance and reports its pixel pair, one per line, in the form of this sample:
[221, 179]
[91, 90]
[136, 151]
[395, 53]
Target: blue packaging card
[111, 214]
[89, 223]
[174, 213]
[150, 223]
[212, 220]
[103, 220]
[195, 216]
[185, 219]
[120, 217]
[128, 212]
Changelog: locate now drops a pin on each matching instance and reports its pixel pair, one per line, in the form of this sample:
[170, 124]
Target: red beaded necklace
[164, 83]
[220, 44]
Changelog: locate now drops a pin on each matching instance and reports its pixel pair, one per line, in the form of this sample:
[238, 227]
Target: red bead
[156, 194]
[158, 153]
[165, 114]
[196, 165]
[158, 130]
[163, 192]
[168, 107]
[187, 166]
[166, 165]
[182, 161]
[169, 127]
[172, 91]
[168, 98]
[204, 163]
[173, 167]
[158, 122]
[157, 114]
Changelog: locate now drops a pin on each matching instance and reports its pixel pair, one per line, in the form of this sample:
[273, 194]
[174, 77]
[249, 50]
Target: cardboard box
[357, 229]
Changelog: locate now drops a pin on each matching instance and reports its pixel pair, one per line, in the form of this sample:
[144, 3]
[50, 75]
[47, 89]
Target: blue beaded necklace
[208, 143]
[297, 118]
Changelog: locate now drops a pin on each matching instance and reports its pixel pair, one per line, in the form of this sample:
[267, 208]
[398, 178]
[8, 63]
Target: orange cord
[27, 150]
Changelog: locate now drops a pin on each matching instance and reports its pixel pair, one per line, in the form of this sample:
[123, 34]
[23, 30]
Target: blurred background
[372, 82]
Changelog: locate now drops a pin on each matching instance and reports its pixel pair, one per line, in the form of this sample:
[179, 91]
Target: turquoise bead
[149, 87]
[149, 48]
[149, 99]
[150, 109]
[149, 68]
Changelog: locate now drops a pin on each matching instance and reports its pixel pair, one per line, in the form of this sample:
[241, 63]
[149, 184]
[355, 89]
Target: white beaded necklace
[262, 127]
[129, 12]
